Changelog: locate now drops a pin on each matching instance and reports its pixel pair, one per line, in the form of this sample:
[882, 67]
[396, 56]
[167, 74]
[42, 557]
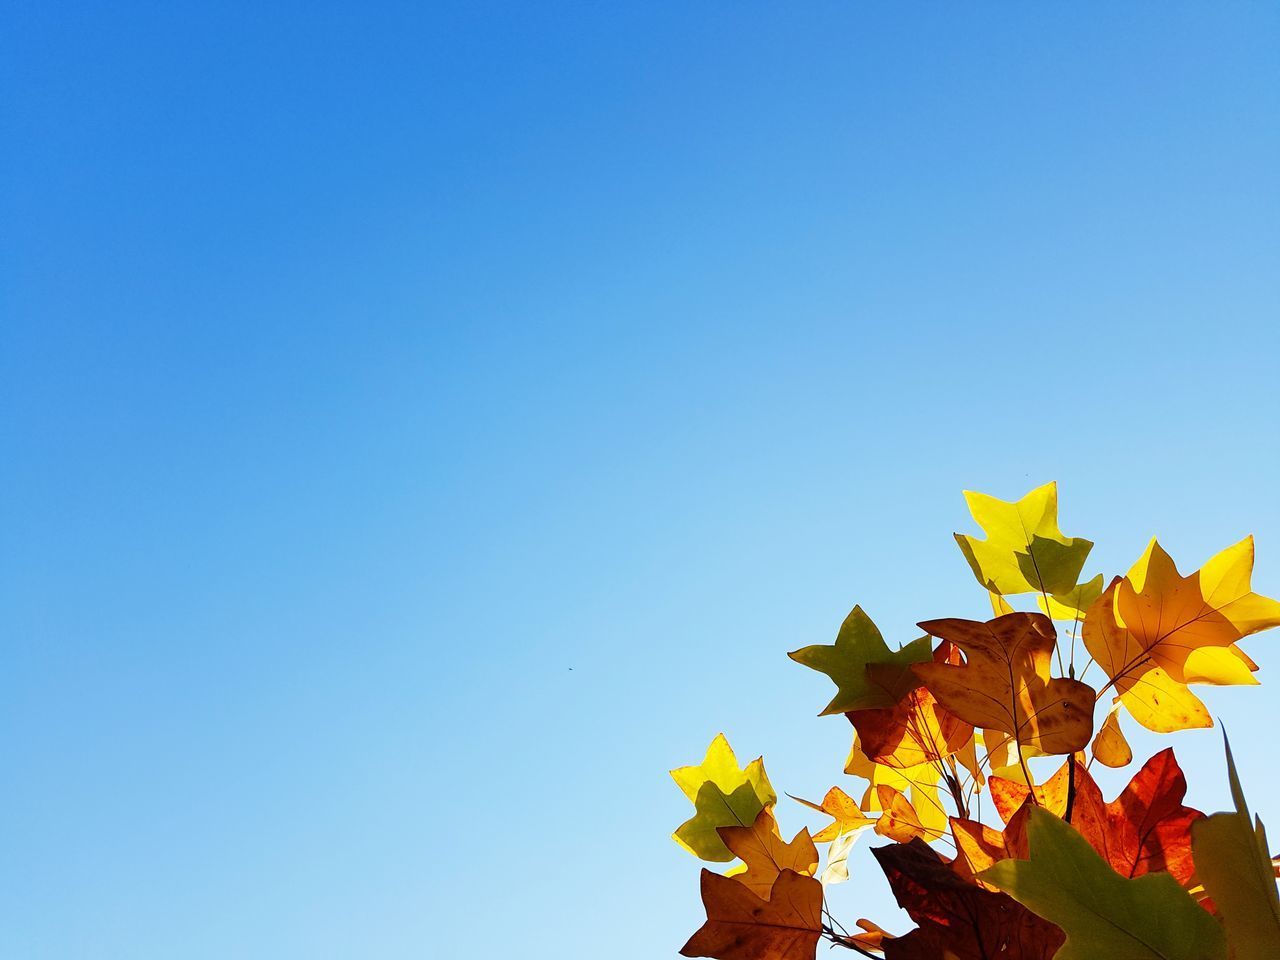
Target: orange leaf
[743, 926]
[766, 854]
[838, 804]
[1009, 795]
[899, 820]
[1144, 829]
[1155, 631]
[915, 731]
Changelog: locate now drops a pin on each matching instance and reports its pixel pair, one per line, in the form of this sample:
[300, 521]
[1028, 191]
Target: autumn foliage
[943, 729]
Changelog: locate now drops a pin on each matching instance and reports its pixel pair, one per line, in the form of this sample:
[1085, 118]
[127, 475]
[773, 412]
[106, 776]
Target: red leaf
[1146, 828]
[957, 918]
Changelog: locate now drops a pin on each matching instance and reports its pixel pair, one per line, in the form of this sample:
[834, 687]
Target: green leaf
[859, 645]
[723, 795]
[1103, 914]
[1024, 552]
[1234, 864]
[1072, 604]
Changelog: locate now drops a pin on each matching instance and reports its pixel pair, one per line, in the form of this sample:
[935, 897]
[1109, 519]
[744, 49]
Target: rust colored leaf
[1145, 829]
[742, 926]
[916, 730]
[955, 918]
[1006, 685]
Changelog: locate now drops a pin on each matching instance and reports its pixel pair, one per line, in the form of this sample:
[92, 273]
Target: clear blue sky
[425, 424]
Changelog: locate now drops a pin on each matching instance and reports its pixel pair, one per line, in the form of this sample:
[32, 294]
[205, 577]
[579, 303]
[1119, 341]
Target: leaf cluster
[950, 720]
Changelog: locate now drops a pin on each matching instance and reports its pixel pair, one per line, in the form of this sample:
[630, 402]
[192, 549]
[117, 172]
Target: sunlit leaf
[1155, 631]
[1006, 683]
[743, 926]
[898, 821]
[1234, 863]
[764, 854]
[858, 646]
[1103, 914]
[1024, 551]
[1110, 748]
[724, 795]
[1073, 604]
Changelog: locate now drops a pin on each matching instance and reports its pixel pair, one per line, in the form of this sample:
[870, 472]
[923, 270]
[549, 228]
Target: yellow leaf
[724, 795]
[1024, 551]
[1155, 631]
[1110, 748]
[920, 782]
[765, 854]
[1005, 684]
[899, 820]
[841, 806]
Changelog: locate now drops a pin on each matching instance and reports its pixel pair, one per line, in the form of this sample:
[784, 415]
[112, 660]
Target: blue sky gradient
[423, 425]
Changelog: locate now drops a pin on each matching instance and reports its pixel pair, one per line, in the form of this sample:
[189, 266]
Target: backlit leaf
[1234, 864]
[1110, 748]
[955, 918]
[1155, 631]
[724, 795]
[859, 645]
[1073, 604]
[1024, 551]
[1103, 914]
[743, 926]
[1006, 685]
[765, 854]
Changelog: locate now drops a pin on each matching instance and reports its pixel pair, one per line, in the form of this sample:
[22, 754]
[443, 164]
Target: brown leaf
[1005, 685]
[955, 918]
[742, 926]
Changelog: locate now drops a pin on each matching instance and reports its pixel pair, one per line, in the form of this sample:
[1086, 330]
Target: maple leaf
[955, 918]
[764, 854]
[1234, 863]
[1024, 552]
[1006, 686]
[1155, 631]
[743, 926]
[859, 645]
[724, 795]
[1102, 913]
